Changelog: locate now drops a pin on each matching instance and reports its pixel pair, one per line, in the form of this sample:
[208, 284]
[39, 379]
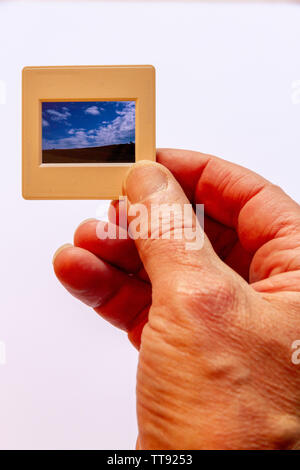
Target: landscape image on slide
[88, 132]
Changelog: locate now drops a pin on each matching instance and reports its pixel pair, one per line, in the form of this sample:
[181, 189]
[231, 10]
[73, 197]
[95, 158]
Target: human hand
[214, 327]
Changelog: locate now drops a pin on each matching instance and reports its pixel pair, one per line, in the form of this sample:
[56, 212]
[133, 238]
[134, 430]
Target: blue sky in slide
[78, 124]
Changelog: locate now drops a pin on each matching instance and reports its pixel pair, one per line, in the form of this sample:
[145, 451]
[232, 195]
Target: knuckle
[210, 293]
[219, 294]
[202, 296]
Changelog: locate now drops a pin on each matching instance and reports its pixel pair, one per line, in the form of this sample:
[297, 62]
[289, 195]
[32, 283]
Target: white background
[224, 86]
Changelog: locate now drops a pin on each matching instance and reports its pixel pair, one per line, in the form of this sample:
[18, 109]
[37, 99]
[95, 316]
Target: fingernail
[144, 179]
[63, 247]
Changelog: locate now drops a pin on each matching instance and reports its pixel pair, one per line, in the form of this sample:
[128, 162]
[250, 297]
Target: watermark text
[296, 353]
[156, 221]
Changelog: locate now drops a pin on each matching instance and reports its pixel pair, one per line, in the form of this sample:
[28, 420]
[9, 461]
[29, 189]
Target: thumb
[166, 230]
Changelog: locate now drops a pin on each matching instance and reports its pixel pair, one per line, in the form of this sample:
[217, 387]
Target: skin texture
[214, 327]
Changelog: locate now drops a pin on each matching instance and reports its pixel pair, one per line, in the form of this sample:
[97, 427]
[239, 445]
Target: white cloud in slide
[119, 130]
[45, 123]
[94, 110]
[59, 116]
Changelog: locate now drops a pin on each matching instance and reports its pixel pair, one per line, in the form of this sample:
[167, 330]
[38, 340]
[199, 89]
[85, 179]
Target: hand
[215, 327]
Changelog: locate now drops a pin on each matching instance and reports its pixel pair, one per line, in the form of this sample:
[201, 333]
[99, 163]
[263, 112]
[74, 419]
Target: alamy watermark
[296, 353]
[157, 221]
[2, 353]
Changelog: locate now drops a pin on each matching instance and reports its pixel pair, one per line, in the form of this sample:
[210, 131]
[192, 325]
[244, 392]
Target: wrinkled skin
[214, 327]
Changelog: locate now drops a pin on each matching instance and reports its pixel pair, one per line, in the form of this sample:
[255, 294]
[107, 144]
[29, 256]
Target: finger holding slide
[117, 213]
[164, 247]
[119, 251]
[223, 239]
[121, 299]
